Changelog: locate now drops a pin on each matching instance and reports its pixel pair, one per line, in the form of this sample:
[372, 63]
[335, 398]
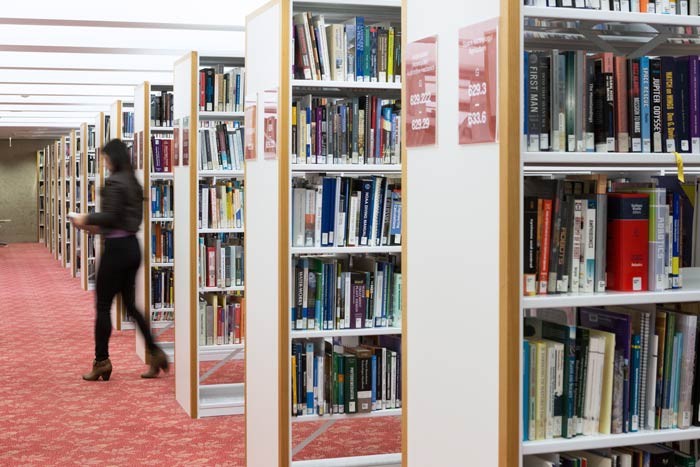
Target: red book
[628, 242]
[202, 93]
[237, 332]
[167, 156]
[545, 244]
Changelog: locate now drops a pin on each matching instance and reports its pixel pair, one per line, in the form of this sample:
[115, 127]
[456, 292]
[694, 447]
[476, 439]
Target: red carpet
[49, 416]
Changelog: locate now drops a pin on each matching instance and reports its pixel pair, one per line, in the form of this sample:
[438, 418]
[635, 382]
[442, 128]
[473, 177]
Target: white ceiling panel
[64, 99]
[84, 77]
[87, 61]
[86, 89]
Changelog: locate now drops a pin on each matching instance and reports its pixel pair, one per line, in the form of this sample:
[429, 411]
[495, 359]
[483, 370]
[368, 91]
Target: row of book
[352, 293]
[221, 260]
[349, 51]
[162, 199]
[646, 455]
[665, 7]
[91, 163]
[162, 314]
[221, 320]
[128, 124]
[162, 243]
[618, 370]
[337, 378]
[162, 109]
[221, 148]
[589, 234]
[346, 211]
[221, 90]
[162, 288]
[162, 154]
[354, 130]
[576, 101]
[221, 204]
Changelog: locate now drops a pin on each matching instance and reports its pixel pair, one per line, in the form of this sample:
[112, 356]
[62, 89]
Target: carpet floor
[50, 416]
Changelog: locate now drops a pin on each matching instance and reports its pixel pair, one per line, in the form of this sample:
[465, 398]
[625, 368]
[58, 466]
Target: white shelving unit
[636, 34]
[194, 395]
[41, 198]
[89, 169]
[270, 281]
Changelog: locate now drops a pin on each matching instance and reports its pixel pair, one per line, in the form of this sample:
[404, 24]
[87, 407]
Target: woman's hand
[79, 221]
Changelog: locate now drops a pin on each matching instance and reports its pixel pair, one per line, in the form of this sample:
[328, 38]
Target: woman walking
[119, 220]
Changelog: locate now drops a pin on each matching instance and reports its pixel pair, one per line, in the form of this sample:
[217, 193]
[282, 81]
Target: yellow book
[540, 399]
[606, 397]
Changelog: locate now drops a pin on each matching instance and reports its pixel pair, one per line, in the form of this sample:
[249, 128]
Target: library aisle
[50, 416]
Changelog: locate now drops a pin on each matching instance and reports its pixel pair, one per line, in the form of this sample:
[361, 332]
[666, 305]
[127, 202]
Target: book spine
[590, 105]
[669, 104]
[545, 102]
[682, 99]
[646, 104]
[635, 383]
[694, 103]
[635, 105]
[601, 243]
[622, 130]
[657, 112]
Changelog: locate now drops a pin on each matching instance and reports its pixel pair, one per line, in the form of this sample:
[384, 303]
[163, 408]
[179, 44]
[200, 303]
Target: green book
[350, 383]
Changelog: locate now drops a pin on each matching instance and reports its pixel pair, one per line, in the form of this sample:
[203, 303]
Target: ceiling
[63, 62]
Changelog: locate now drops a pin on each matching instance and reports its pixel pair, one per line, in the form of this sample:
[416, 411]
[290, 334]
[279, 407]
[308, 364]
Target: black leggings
[117, 273]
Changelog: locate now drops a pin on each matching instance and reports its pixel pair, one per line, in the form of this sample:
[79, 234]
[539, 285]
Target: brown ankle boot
[159, 361]
[102, 368]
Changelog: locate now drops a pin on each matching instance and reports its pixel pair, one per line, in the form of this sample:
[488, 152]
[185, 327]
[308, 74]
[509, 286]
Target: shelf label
[421, 87]
[478, 82]
[679, 166]
[270, 124]
[250, 134]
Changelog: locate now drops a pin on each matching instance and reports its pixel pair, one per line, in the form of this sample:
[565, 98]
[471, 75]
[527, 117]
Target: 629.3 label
[420, 123]
[476, 118]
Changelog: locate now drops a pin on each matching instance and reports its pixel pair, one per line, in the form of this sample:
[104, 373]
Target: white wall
[452, 268]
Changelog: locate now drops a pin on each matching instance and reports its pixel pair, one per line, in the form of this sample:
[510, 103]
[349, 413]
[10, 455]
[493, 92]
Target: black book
[599, 108]
[530, 245]
[609, 111]
[545, 113]
[656, 106]
[635, 104]
[682, 99]
[590, 103]
[554, 243]
[533, 105]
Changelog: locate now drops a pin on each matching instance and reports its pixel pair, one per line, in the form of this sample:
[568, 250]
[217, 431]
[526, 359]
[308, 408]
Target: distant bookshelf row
[333, 378]
[579, 102]
[683, 454]
[221, 320]
[665, 7]
[586, 234]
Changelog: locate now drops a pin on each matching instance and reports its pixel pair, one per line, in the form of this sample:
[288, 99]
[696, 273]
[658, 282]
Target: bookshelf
[276, 182]
[55, 201]
[40, 198]
[546, 29]
[63, 156]
[197, 359]
[157, 180]
[75, 201]
[117, 127]
[48, 191]
[88, 193]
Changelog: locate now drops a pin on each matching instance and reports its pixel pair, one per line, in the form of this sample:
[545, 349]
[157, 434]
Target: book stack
[162, 243]
[332, 378]
[162, 290]
[161, 153]
[353, 293]
[581, 102]
[591, 371]
[345, 211]
[650, 454]
[221, 90]
[162, 109]
[162, 199]
[590, 234]
[665, 7]
[349, 51]
[128, 125]
[221, 204]
[221, 320]
[221, 148]
[353, 130]
[221, 261]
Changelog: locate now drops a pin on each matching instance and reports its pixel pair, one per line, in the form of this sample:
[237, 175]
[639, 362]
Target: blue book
[635, 382]
[526, 389]
[365, 211]
[325, 212]
[313, 379]
[359, 48]
[675, 262]
[305, 301]
[646, 103]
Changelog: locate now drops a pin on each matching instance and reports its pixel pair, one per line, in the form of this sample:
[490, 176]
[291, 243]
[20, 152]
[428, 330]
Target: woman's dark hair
[118, 155]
